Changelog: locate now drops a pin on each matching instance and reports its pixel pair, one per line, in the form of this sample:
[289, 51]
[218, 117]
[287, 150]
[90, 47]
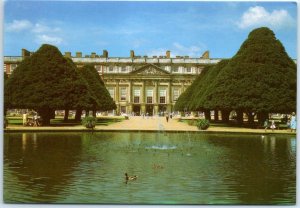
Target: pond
[172, 168]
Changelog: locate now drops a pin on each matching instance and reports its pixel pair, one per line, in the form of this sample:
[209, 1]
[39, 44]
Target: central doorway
[149, 110]
[162, 109]
[137, 110]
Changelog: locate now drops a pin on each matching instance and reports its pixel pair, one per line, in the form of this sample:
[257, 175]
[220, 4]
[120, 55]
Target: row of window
[149, 95]
[9, 68]
[125, 69]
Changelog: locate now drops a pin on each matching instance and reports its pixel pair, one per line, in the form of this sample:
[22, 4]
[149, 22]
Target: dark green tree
[99, 96]
[259, 79]
[202, 101]
[45, 82]
[6, 95]
[194, 98]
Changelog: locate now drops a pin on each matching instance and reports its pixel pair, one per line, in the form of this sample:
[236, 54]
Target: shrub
[203, 124]
[191, 122]
[89, 122]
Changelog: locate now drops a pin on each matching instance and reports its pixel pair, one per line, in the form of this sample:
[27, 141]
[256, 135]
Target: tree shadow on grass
[59, 122]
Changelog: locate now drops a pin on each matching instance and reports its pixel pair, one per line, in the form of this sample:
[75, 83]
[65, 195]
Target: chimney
[78, 54]
[93, 55]
[68, 54]
[168, 54]
[105, 54]
[132, 54]
[25, 53]
[205, 55]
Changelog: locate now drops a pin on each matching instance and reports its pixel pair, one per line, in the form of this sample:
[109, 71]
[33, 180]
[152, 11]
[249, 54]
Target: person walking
[293, 122]
[273, 126]
[167, 117]
[266, 124]
[25, 118]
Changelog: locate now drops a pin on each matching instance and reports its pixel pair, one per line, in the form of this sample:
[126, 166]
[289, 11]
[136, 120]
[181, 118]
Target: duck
[155, 166]
[130, 178]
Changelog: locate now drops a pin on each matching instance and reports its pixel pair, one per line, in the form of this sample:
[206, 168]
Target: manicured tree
[6, 94]
[80, 97]
[45, 82]
[185, 98]
[203, 92]
[100, 96]
[260, 78]
[195, 96]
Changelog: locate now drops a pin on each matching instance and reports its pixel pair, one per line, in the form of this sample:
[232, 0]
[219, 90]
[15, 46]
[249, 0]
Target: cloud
[178, 49]
[157, 52]
[41, 32]
[18, 25]
[259, 16]
[41, 28]
[48, 39]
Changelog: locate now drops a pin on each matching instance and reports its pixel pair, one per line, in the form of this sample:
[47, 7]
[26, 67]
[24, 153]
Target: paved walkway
[138, 123]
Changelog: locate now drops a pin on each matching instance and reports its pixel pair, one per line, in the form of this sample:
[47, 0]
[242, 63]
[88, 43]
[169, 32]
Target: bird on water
[130, 178]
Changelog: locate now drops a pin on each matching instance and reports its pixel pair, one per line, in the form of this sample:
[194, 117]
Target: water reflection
[172, 168]
[41, 164]
[264, 171]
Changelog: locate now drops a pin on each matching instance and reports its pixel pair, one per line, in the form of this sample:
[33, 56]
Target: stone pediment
[150, 69]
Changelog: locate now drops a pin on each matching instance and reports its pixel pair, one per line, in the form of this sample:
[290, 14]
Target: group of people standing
[34, 121]
[291, 123]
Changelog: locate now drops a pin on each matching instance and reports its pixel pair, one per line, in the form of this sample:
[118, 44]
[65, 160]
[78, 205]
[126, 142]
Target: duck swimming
[130, 178]
[155, 166]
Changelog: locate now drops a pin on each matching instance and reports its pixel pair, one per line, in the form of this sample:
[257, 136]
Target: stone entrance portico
[149, 89]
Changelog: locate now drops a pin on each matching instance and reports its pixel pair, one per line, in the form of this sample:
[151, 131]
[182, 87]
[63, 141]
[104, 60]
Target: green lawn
[59, 121]
[192, 122]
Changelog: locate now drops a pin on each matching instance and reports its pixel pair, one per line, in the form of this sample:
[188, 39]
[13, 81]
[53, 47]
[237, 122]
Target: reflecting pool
[172, 168]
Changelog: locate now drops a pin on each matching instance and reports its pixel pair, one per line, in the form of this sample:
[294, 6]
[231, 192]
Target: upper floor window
[168, 68]
[123, 69]
[136, 95]
[181, 69]
[136, 99]
[188, 69]
[175, 69]
[175, 94]
[110, 68]
[149, 99]
[149, 95]
[98, 68]
[111, 92]
[123, 93]
[162, 96]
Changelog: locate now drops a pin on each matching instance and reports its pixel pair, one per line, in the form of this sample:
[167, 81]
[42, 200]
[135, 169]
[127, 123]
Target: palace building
[139, 85]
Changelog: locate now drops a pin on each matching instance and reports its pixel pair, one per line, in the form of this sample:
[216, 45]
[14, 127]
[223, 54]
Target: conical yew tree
[101, 99]
[259, 79]
[45, 81]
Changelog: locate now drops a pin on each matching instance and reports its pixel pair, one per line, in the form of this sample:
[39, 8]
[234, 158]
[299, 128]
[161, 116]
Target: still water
[172, 168]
